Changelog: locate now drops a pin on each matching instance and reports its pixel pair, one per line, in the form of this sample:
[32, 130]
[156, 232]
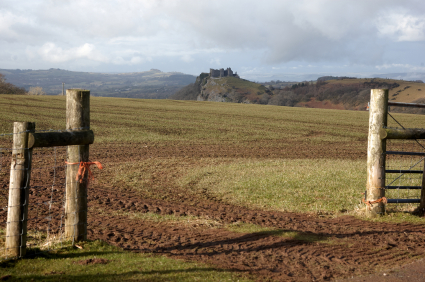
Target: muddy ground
[336, 248]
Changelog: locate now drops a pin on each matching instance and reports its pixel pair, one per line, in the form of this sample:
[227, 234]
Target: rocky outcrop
[222, 89]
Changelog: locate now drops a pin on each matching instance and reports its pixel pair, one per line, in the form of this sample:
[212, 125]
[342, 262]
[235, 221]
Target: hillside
[223, 89]
[344, 93]
[356, 92]
[406, 91]
[153, 84]
[348, 94]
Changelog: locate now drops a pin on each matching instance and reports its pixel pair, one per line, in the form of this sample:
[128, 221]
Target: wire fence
[403, 181]
[47, 197]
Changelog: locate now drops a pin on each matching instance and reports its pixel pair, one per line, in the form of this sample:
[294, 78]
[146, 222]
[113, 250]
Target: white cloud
[187, 58]
[136, 60]
[215, 61]
[401, 26]
[52, 53]
[8, 23]
[402, 67]
[211, 33]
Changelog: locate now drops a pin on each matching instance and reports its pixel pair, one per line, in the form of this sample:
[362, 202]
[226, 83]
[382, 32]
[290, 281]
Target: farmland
[258, 191]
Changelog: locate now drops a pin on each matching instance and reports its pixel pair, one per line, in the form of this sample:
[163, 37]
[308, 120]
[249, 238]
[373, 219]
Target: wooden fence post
[20, 175]
[376, 147]
[77, 118]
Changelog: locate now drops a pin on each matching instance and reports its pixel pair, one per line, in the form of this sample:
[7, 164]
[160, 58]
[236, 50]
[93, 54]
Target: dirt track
[356, 248]
[337, 248]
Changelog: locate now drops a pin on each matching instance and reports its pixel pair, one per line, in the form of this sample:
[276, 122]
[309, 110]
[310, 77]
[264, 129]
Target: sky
[260, 40]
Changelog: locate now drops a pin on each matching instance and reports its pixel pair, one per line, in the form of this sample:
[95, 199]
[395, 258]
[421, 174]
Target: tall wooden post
[376, 148]
[20, 175]
[77, 118]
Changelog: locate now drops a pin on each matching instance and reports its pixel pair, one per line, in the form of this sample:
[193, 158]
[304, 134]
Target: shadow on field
[47, 255]
[262, 240]
[154, 275]
[36, 254]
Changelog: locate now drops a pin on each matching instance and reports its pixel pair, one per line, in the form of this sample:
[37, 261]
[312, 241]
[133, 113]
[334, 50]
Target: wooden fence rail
[24, 140]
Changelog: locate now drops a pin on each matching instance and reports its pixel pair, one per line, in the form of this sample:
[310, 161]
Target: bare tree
[37, 90]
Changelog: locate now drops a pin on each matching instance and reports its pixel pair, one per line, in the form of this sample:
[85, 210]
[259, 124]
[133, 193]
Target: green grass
[284, 185]
[62, 265]
[36, 240]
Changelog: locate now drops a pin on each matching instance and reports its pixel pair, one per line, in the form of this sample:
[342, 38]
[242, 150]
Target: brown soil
[341, 247]
[277, 149]
[92, 261]
[335, 248]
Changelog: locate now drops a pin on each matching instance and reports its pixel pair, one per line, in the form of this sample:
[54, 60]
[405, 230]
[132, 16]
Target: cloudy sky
[258, 39]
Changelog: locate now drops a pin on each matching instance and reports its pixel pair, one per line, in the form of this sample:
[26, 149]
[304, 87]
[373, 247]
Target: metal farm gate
[395, 158]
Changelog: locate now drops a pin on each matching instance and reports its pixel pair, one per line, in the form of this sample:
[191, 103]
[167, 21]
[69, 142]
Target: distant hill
[223, 89]
[153, 84]
[347, 93]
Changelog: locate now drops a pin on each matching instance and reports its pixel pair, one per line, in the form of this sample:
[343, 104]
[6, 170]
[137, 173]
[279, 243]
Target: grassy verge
[36, 241]
[285, 185]
[98, 261]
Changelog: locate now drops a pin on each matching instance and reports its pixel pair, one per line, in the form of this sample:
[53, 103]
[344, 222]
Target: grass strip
[98, 261]
[284, 185]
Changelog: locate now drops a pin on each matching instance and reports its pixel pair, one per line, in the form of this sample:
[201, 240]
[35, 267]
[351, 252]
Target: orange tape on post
[85, 167]
[370, 203]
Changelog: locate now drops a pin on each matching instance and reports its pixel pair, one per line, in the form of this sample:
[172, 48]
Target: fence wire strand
[47, 197]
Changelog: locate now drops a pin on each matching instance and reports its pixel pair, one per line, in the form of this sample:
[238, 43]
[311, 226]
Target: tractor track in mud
[338, 247]
[344, 246]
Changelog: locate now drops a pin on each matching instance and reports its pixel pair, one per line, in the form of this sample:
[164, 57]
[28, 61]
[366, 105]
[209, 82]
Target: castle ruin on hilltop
[223, 73]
